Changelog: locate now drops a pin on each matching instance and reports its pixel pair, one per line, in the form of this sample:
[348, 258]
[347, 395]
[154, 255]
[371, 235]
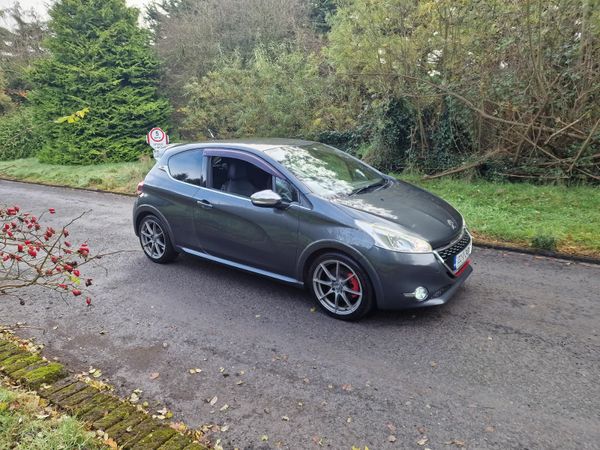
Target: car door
[229, 226]
[186, 174]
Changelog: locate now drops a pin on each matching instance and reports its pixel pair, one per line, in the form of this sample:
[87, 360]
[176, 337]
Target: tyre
[155, 240]
[340, 286]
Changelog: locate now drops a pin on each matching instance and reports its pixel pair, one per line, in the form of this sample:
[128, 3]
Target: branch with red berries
[33, 254]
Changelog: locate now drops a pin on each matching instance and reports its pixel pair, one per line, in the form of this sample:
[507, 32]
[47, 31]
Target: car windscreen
[326, 171]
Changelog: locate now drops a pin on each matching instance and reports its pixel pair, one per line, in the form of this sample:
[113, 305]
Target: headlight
[395, 239]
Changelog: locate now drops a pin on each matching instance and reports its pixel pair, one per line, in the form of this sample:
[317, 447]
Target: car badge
[452, 224]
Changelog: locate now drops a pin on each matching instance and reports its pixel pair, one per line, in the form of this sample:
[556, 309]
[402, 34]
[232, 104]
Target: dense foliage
[19, 135]
[276, 93]
[508, 89]
[102, 69]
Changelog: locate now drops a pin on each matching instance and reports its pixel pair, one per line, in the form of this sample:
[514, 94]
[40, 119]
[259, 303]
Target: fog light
[421, 293]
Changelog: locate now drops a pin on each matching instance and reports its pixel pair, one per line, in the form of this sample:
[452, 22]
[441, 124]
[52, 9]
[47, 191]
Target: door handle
[204, 204]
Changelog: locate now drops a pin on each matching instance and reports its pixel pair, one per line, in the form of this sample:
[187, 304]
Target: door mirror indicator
[266, 199]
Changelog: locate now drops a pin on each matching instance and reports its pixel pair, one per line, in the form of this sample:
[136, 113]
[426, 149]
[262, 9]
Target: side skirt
[244, 267]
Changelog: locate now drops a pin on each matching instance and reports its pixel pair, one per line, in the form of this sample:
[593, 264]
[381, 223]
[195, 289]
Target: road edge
[111, 417]
[478, 243]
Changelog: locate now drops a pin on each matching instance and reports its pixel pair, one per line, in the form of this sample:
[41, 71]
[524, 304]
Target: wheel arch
[148, 210]
[319, 248]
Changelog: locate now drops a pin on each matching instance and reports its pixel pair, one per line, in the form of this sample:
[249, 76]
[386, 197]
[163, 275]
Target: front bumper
[399, 274]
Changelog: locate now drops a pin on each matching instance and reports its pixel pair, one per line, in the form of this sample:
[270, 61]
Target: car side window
[239, 177]
[285, 189]
[188, 167]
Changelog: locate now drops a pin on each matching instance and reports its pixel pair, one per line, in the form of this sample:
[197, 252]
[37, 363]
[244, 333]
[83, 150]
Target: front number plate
[462, 257]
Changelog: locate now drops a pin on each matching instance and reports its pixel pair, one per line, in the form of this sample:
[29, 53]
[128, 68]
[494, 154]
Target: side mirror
[266, 199]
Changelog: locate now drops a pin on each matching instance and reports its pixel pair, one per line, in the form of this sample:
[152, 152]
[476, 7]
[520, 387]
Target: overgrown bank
[555, 218]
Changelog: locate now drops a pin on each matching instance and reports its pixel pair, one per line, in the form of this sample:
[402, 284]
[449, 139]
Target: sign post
[158, 140]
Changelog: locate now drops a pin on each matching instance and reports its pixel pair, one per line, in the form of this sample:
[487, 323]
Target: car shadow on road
[268, 290]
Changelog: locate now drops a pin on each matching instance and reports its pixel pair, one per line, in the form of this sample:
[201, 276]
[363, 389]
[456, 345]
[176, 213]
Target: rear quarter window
[188, 167]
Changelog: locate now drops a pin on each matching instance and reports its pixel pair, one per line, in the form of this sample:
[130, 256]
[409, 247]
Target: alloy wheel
[153, 239]
[337, 287]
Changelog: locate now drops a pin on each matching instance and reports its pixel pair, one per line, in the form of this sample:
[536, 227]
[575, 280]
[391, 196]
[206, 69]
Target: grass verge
[117, 177]
[27, 422]
[554, 218]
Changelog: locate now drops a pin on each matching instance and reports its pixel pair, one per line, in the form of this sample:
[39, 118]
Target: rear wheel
[155, 240]
[340, 286]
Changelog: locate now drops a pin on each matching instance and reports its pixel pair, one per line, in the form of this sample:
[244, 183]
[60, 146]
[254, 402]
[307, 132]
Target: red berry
[88, 282]
[67, 244]
[20, 247]
[76, 272]
[88, 301]
[76, 292]
[32, 252]
[52, 210]
[65, 232]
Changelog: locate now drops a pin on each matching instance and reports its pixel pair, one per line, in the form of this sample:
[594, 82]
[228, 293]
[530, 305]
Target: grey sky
[40, 6]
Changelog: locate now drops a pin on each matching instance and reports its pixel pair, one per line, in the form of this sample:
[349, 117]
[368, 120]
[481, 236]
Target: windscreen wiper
[360, 190]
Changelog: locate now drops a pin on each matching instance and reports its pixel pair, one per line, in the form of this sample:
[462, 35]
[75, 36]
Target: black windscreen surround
[188, 167]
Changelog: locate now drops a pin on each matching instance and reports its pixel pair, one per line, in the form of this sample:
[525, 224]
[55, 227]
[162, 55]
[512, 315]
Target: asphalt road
[511, 362]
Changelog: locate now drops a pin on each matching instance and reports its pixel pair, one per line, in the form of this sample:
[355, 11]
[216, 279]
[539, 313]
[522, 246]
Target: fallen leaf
[313, 309]
[134, 398]
[285, 418]
[239, 382]
[154, 375]
[391, 438]
[424, 440]
[224, 428]
[264, 438]
[225, 407]
[179, 426]
[456, 442]
[213, 400]
[347, 387]
[489, 429]
[391, 427]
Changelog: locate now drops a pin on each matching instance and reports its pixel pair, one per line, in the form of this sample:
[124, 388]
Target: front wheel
[155, 240]
[340, 286]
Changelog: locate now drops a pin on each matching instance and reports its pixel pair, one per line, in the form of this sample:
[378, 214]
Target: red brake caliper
[353, 282]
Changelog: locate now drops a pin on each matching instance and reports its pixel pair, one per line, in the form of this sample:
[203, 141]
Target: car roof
[259, 144]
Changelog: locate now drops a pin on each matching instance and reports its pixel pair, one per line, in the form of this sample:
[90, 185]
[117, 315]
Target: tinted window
[238, 177]
[286, 190]
[188, 167]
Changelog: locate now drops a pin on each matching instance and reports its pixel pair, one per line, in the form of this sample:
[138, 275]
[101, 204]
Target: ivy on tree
[99, 61]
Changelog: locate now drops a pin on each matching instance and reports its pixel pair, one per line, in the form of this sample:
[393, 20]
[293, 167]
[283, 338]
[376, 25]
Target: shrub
[287, 95]
[99, 62]
[544, 242]
[19, 136]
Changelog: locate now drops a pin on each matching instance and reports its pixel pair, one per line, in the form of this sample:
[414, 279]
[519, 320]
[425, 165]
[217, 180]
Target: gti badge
[452, 224]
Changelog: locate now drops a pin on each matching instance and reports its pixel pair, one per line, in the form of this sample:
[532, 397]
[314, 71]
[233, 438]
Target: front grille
[447, 254]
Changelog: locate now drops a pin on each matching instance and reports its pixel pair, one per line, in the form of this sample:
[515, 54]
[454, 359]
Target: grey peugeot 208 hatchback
[307, 214]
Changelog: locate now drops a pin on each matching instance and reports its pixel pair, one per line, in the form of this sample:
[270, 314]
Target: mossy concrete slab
[24, 370]
[177, 442]
[69, 390]
[139, 432]
[122, 412]
[123, 429]
[101, 410]
[44, 375]
[100, 400]
[19, 362]
[46, 392]
[195, 446]
[9, 351]
[73, 400]
[155, 439]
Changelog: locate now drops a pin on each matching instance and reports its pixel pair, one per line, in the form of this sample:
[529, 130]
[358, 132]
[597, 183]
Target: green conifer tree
[96, 93]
